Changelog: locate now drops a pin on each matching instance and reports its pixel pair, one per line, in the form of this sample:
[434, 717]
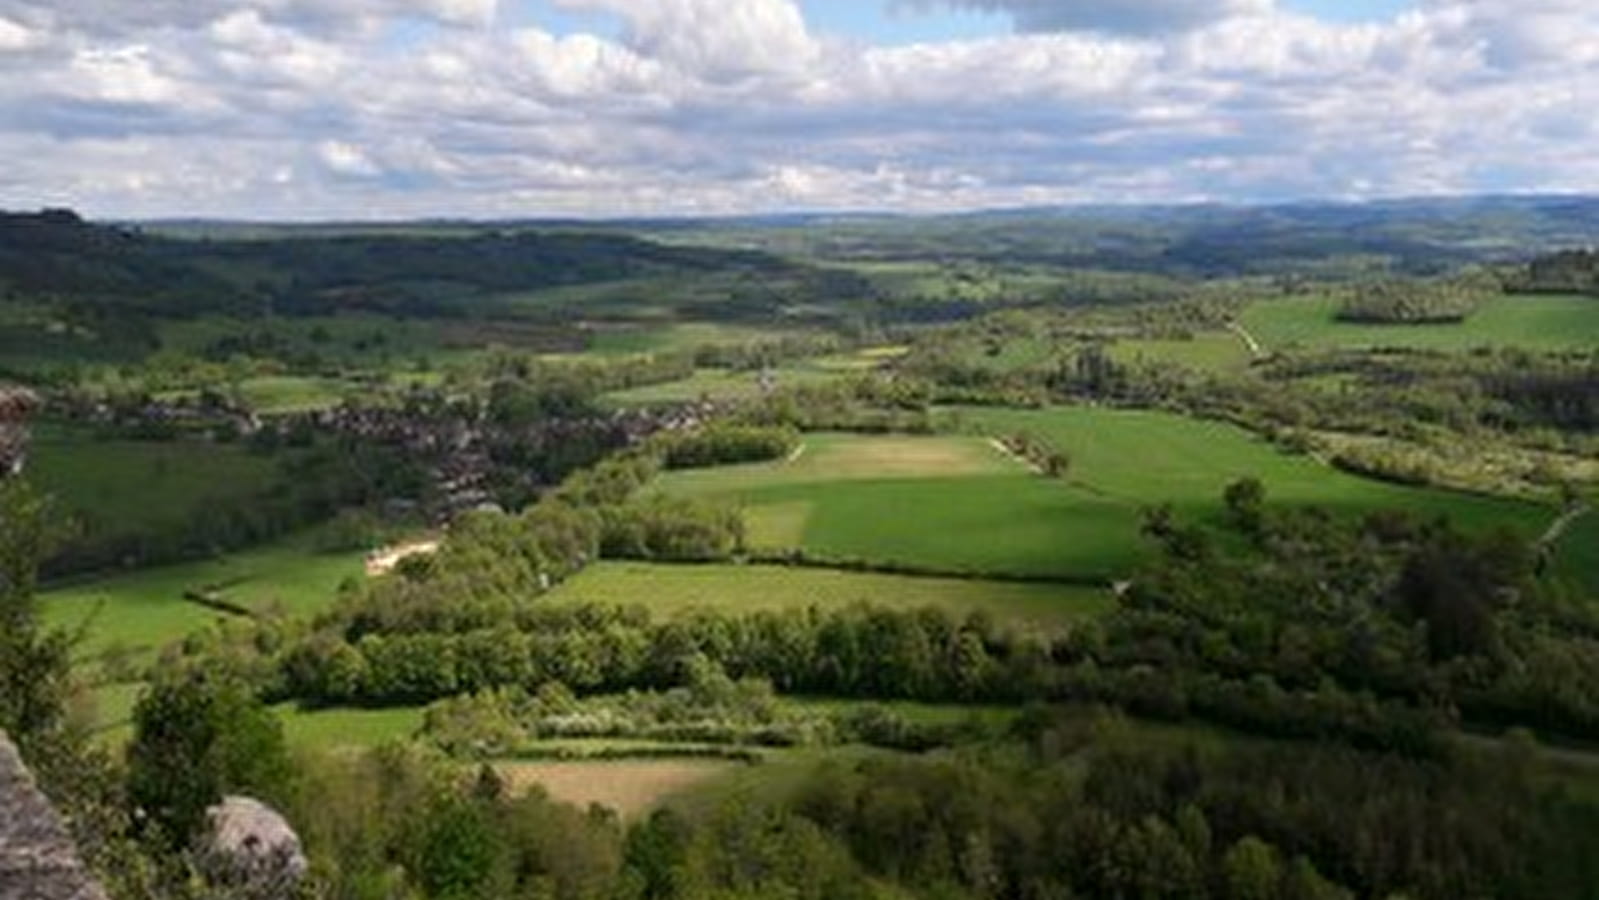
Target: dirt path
[1560, 526]
[383, 561]
[1255, 348]
[999, 445]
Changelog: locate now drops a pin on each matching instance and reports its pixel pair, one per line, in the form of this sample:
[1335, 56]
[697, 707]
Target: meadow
[728, 384]
[677, 590]
[139, 612]
[632, 788]
[966, 508]
[141, 486]
[715, 384]
[1535, 322]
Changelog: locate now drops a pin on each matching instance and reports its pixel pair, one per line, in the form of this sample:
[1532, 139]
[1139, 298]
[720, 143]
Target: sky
[390, 109]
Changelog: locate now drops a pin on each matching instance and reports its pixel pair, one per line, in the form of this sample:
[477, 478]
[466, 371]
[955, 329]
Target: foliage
[726, 444]
[1416, 302]
[198, 737]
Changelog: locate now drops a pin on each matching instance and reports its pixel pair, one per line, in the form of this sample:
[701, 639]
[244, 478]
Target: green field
[664, 338]
[716, 384]
[281, 394]
[945, 512]
[348, 728]
[1210, 351]
[142, 611]
[138, 486]
[672, 590]
[1536, 322]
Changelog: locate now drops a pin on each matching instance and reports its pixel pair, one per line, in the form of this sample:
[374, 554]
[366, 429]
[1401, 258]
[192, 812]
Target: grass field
[137, 486]
[843, 457]
[1211, 351]
[716, 384]
[951, 512]
[670, 590]
[141, 611]
[1537, 322]
[282, 394]
[667, 337]
[630, 787]
[348, 728]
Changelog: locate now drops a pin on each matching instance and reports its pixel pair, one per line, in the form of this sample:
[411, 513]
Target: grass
[140, 486]
[717, 384]
[630, 787]
[842, 457]
[283, 394]
[665, 338]
[1536, 322]
[1210, 351]
[858, 500]
[348, 728]
[142, 611]
[674, 590]
[723, 384]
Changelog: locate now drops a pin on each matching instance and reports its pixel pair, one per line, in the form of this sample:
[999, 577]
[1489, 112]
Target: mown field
[674, 590]
[955, 504]
[1535, 322]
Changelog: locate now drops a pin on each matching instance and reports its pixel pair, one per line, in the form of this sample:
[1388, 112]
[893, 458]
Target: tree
[197, 737]
[34, 666]
[1252, 870]
[1246, 499]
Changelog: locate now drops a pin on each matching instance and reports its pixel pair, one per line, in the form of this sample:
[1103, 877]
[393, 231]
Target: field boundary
[798, 559]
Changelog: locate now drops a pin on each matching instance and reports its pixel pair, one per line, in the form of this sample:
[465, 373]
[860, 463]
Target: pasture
[347, 728]
[1534, 322]
[120, 486]
[949, 507]
[716, 384]
[139, 612]
[1210, 351]
[677, 590]
[632, 788]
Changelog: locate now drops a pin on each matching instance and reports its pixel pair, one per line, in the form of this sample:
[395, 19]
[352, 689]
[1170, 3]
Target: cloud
[103, 18]
[271, 108]
[719, 39]
[1131, 17]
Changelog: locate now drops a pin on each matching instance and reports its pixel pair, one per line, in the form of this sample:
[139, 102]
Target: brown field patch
[631, 787]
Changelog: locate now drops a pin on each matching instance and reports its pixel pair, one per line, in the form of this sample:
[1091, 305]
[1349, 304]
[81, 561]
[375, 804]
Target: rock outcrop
[38, 860]
[250, 850]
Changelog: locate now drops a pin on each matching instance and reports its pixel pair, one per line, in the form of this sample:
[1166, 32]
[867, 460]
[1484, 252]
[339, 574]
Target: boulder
[250, 850]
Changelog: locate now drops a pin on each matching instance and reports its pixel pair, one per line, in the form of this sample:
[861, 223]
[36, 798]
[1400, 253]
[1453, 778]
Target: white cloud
[261, 107]
[346, 159]
[14, 36]
[1138, 17]
[719, 39]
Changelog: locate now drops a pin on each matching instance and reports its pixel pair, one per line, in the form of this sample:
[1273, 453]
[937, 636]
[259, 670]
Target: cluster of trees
[859, 652]
[1567, 272]
[862, 404]
[710, 708]
[723, 444]
[1417, 302]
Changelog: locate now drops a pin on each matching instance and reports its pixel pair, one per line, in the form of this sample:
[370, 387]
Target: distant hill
[1411, 236]
[56, 256]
